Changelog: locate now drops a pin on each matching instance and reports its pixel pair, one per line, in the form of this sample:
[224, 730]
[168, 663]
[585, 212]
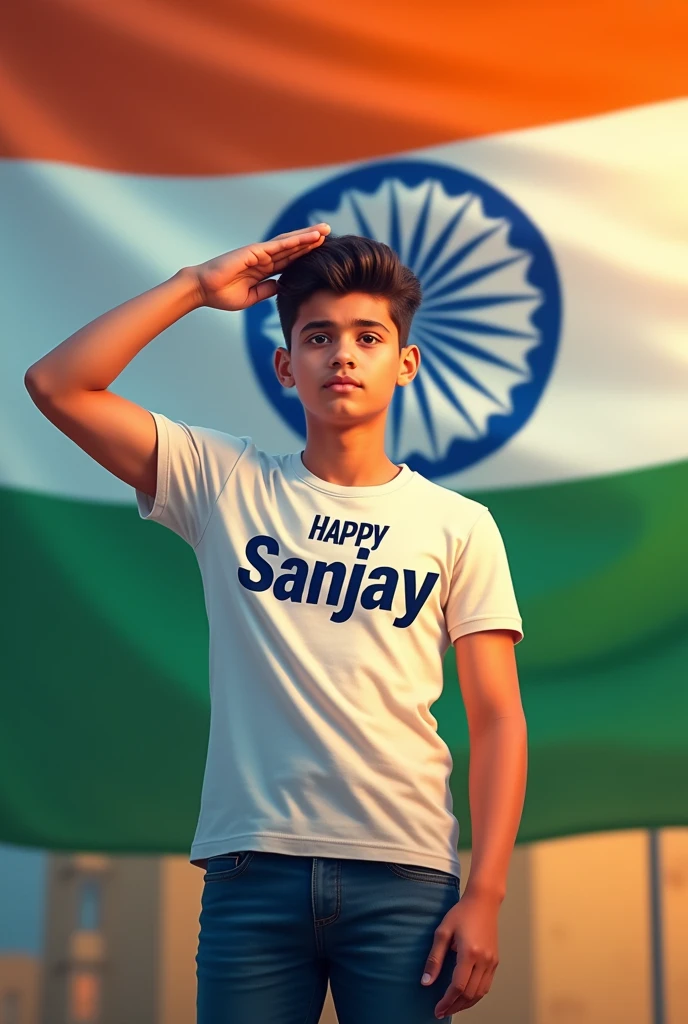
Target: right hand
[237, 279]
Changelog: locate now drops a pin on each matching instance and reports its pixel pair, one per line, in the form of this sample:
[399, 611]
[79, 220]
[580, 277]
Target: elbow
[31, 381]
[31, 376]
[36, 384]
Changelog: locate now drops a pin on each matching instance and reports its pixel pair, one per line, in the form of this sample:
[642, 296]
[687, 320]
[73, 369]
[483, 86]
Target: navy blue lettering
[318, 528]
[378, 593]
[338, 570]
[346, 611]
[386, 590]
[348, 530]
[365, 530]
[264, 582]
[333, 532]
[414, 602]
[289, 586]
[380, 531]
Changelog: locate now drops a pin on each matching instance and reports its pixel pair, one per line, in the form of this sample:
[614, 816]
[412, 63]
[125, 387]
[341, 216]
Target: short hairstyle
[350, 263]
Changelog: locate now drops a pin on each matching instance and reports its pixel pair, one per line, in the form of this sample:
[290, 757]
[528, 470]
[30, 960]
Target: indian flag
[530, 163]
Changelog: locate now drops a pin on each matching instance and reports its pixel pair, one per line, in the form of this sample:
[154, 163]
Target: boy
[334, 582]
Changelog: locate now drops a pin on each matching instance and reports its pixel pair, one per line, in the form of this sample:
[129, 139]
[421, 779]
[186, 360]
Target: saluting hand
[237, 279]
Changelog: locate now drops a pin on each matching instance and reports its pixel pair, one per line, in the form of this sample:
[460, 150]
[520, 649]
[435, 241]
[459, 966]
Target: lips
[342, 381]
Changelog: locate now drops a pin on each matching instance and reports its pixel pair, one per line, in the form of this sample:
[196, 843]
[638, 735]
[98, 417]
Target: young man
[334, 582]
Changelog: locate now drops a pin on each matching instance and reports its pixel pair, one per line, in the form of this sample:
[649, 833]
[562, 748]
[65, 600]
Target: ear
[409, 364]
[282, 364]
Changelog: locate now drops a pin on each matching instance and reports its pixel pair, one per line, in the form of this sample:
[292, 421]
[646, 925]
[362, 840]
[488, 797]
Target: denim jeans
[274, 928]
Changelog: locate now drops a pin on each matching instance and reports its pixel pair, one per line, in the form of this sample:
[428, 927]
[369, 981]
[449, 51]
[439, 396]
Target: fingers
[293, 239]
[460, 978]
[260, 291]
[474, 982]
[323, 227]
[284, 260]
[477, 986]
[264, 263]
[438, 951]
[259, 259]
[277, 264]
[486, 983]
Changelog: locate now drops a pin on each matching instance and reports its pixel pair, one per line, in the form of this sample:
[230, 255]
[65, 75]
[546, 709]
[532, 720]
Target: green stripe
[105, 659]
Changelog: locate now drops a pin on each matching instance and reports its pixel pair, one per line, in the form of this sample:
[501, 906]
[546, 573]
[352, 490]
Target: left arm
[486, 666]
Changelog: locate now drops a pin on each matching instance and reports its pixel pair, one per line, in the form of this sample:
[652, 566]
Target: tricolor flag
[530, 163]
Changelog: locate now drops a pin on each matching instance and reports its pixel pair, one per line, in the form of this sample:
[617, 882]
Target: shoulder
[456, 509]
[240, 449]
[214, 437]
[201, 441]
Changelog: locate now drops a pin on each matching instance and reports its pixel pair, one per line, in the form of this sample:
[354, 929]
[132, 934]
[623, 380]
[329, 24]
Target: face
[345, 335]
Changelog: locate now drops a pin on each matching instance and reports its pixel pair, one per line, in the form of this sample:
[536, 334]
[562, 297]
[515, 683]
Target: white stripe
[608, 193]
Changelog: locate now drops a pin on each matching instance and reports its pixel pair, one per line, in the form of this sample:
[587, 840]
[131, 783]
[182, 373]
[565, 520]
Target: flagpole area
[658, 996]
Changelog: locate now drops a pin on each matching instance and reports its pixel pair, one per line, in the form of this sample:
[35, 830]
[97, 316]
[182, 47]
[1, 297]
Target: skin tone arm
[70, 383]
[488, 678]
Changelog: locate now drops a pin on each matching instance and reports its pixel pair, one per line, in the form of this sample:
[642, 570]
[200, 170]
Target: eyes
[373, 338]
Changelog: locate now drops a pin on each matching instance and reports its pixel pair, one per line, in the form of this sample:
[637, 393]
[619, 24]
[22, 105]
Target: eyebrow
[352, 323]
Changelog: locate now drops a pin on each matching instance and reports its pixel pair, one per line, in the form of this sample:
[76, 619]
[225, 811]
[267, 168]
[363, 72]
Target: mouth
[342, 387]
[341, 382]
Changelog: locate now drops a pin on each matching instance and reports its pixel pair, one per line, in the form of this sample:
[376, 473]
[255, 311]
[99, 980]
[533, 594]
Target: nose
[342, 353]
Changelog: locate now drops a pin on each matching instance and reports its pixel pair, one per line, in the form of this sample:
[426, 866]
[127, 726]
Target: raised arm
[70, 383]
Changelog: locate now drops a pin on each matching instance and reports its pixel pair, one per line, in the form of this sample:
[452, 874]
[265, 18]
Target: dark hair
[350, 263]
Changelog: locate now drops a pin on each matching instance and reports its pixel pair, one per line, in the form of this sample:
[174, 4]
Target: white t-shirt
[330, 609]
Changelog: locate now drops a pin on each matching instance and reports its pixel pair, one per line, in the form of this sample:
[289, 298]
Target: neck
[352, 457]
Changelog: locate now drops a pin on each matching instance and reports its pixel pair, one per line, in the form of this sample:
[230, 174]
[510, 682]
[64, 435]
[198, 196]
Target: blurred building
[22, 911]
[20, 975]
[118, 929]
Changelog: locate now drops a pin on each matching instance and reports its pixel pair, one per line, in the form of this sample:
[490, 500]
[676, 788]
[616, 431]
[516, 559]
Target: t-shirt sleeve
[194, 464]
[481, 594]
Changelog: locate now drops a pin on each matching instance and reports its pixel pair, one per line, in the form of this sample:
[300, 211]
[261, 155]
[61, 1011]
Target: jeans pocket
[227, 865]
[419, 873]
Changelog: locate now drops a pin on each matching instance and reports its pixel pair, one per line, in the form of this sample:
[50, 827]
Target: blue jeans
[274, 928]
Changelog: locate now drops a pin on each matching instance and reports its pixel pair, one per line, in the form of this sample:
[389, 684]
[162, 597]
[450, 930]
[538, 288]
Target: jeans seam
[333, 917]
[307, 1018]
[318, 945]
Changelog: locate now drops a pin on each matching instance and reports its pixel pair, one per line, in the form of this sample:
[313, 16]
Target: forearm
[92, 357]
[497, 786]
